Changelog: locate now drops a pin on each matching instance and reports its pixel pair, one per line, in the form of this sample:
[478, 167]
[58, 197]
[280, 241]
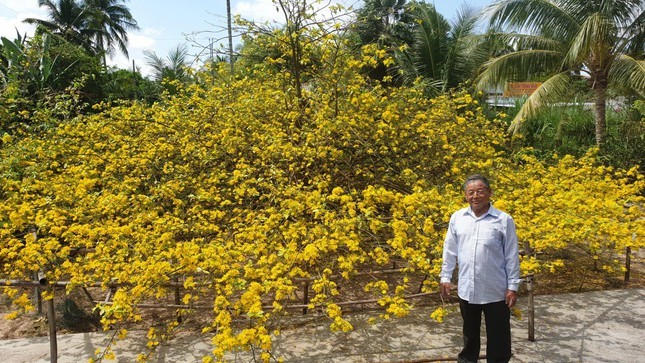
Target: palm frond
[597, 36]
[629, 71]
[528, 41]
[430, 45]
[532, 16]
[549, 92]
[464, 23]
[155, 62]
[632, 39]
[405, 70]
[39, 22]
[457, 63]
[518, 65]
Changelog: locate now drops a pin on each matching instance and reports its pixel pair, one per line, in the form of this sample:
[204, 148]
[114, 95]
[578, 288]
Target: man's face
[477, 195]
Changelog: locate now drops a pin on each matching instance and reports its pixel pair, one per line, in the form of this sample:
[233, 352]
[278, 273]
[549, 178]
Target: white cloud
[12, 16]
[259, 10]
[8, 27]
[138, 42]
[136, 56]
[121, 62]
[141, 41]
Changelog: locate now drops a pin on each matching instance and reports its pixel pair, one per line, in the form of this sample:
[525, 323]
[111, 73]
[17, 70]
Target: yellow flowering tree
[241, 192]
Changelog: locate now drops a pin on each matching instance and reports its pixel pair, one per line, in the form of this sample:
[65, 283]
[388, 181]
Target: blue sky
[166, 24]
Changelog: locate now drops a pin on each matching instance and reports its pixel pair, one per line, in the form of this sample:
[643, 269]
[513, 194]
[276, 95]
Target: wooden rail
[177, 285]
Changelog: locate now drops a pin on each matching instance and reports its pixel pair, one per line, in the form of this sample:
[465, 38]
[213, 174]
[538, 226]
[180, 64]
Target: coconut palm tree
[174, 67]
[100, 26]
[562, 41]
[442, 53]
[110, 21]
[66, 18]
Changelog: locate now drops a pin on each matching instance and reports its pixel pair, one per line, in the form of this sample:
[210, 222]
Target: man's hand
[511, 298]
[445, 289]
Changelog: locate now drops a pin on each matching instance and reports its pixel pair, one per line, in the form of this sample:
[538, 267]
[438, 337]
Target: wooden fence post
[51, 318]
[528, 252]
[38, 276]
[529, 288]
[305, 299]
[177, 299]
[628, 263]
[37, 298]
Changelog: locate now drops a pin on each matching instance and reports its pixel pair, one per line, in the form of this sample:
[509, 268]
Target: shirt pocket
[489, 236]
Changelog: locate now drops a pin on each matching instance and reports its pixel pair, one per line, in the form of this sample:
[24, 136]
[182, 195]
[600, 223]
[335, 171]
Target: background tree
[387, 23]
[443, 53]
[27, 62]
[100, 26]
[600, 41]
[40, 76]
[124, 84]
[68, 19]
[110, 21]
[173, 68]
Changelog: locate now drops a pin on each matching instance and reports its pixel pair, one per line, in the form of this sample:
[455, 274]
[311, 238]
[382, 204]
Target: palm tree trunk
[600, 108]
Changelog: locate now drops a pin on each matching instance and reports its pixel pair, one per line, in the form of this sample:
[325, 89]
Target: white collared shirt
[486, 250]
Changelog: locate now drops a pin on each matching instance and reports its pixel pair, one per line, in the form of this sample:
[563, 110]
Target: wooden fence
[41, 284]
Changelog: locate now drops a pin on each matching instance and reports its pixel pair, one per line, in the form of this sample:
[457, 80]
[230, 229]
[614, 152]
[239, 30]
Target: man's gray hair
[476, 177]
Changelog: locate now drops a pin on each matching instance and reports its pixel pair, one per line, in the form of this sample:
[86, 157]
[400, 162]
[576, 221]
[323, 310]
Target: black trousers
[498, 331]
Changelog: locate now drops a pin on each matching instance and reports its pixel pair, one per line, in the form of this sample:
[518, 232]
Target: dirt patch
[28, 325]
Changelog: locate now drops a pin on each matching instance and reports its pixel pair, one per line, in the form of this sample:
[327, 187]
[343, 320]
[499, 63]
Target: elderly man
[482, 241]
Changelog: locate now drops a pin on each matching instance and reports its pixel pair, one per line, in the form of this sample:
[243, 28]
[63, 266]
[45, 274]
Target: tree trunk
[600, 108]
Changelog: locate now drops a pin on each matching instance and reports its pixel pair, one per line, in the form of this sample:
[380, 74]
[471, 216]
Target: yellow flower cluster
[573, 204]
[439, 314]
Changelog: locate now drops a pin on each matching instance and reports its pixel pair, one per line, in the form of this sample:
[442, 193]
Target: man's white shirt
[486, 251]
